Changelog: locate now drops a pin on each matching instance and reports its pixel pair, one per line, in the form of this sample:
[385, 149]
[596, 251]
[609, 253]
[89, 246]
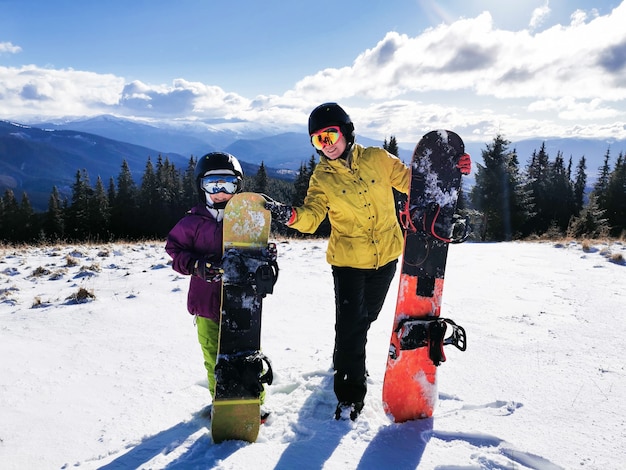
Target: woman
[353, 186]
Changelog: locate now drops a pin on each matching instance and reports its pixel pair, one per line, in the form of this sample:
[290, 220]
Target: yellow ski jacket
[356, 194]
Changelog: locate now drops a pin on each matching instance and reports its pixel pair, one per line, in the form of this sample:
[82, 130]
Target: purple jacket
[197, 235]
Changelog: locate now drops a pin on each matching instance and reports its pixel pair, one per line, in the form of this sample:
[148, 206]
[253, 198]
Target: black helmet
[217, 163]
[331, 114]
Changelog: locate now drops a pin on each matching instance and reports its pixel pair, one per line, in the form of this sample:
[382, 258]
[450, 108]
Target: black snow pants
[359, 297]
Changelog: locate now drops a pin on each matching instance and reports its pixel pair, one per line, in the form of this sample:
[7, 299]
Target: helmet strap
[347, 152]
[213, 205]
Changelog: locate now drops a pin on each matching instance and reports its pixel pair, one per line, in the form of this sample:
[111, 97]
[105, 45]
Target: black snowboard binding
[243, 375]
[257, 268]
[430, 333]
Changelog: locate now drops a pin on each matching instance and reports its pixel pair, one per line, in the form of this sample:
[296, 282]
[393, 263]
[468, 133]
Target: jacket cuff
[293, 217]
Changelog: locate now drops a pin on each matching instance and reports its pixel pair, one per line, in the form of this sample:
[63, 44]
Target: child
[195, 245]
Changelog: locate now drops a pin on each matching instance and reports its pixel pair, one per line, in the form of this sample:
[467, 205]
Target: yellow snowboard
[237, 404]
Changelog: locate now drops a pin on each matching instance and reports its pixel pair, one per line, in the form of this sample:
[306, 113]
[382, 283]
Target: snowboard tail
[237, 419]
[250, 272]
[419, 334]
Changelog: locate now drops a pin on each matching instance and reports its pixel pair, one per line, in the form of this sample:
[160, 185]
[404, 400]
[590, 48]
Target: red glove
[464, 164]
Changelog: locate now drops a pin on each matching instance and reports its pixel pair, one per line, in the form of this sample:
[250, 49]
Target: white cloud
[539, 15]
[471, 55]
[35, 91]
[9, 48]
[466, 75]
[571, 109]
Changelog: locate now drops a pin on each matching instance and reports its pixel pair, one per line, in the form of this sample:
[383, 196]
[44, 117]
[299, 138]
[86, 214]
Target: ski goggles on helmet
[213, 184]
[326, 137]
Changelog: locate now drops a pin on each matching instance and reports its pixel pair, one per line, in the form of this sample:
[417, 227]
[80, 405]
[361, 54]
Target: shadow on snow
[398, 446]
[170, 439]
[318, 446]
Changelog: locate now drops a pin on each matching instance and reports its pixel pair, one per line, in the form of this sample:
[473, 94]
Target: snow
[117, 382]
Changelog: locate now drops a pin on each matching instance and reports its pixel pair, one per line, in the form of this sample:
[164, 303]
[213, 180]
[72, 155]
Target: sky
[523, 69]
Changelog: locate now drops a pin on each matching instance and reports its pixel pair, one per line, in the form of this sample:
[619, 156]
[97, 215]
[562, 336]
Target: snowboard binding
[257, 268]
[430, 221]
[431, 333]
[243, 374]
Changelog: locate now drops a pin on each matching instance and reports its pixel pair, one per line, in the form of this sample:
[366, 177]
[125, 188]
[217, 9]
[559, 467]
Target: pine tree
[26, 229]
[111, 192]
[78, 215]
[602, 183]
[124, 209]
[11, 217]
[498, 193]
[260, 180]
[563, 207]
[539, 186]
[54, 225]
[3, 221]
[398, 197]
[591, 223]
[580, 183]
[521, 204]
[149, 201]
[190, 194]
[615, 198]
[301, 185]
[171, 191]
[392, 146]
[312, 164]
[99, 212]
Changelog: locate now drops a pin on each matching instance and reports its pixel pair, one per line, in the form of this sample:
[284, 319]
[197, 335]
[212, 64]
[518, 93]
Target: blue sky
[528, 68]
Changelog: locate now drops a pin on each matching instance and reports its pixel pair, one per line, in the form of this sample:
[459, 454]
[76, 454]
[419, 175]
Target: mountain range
[38, 156]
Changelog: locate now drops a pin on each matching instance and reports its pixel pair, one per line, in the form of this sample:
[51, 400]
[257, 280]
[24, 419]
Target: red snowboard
[419, 334]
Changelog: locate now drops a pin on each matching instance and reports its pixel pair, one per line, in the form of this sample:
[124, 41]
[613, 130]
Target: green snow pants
[208, 336]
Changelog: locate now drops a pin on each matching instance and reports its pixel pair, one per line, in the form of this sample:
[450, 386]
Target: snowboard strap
[243, 374]
[266, 276]
[460, 229]
[430, 332]
[405, 218]
[257, 268]
[427, 221]
[268, 377]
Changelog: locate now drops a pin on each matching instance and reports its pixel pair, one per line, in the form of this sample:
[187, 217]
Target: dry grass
[40, 272]
[83, 295]
[70, 261]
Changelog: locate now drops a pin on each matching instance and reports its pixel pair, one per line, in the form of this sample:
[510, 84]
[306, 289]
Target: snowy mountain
[33, 158]
[185, 138]
[288, 147]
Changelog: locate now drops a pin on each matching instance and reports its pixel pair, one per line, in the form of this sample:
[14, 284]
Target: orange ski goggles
[326, 137]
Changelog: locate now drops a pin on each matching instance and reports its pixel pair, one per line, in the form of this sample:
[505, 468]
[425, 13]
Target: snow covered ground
[117, 382]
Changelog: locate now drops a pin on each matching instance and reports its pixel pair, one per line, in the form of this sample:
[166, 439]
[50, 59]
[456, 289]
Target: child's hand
[210, 272]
